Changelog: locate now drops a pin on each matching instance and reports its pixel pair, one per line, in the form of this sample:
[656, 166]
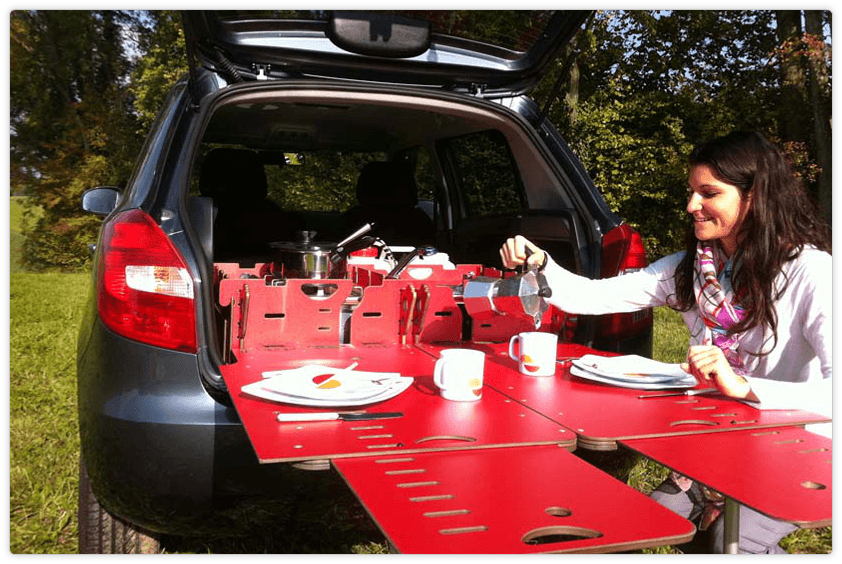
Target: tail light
[144, 290]
[623, 252]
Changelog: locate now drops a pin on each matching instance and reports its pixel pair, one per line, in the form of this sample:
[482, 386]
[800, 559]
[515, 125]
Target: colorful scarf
[715, 307]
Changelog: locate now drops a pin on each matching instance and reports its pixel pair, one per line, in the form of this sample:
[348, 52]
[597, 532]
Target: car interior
[426, 171]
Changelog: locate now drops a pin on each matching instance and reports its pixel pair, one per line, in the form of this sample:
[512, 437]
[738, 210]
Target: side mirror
[101, 200]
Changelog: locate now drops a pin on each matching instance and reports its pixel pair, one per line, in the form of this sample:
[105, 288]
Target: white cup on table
[535, 352]
[458, 374]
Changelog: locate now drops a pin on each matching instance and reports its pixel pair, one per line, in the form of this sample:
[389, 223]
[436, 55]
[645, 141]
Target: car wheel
[103, 533]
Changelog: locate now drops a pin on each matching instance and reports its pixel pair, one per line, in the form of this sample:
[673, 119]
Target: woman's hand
[708, 363]
[513, 252]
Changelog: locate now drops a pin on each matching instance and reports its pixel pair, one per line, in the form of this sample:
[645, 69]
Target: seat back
[387, 195]
[246, 221]
[234, 175]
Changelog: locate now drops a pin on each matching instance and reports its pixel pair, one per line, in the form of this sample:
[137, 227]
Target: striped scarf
[715, 307]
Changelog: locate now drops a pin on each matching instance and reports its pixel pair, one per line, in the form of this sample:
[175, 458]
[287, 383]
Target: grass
[45, 313]
[44, 318]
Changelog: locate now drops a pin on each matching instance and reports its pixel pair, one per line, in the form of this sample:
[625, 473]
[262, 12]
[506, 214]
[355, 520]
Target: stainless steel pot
[306, 258]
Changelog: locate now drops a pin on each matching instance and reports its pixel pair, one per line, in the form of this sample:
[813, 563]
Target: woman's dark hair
[781, 221]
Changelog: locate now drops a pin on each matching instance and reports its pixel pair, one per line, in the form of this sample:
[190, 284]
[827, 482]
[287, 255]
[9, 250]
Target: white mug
[536, 352]
[458, 374]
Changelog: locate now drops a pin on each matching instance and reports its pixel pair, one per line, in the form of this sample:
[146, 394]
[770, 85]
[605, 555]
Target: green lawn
[45, 312]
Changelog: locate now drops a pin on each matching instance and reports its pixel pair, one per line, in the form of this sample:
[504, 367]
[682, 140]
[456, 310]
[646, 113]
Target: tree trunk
[793, 84]
[818, 78]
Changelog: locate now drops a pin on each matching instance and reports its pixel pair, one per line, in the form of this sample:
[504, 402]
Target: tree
[651, 84]
[163, 62]
[72, 125]
[817, 56]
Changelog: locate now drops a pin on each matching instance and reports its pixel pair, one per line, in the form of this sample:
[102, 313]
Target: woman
[754, 286]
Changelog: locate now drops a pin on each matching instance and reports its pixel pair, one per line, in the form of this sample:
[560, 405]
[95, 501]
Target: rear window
[516, 30]
[487, 173]
[323, 181]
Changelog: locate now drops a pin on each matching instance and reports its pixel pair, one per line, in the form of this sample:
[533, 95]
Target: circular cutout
[549, 535]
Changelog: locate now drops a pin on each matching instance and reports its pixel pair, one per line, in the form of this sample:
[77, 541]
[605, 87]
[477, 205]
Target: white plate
[325, 383]
[257, 389]
[630, 368]
[688, 382]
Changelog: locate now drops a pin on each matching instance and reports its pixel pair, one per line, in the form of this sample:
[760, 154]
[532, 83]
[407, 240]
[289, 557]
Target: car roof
[493, 53]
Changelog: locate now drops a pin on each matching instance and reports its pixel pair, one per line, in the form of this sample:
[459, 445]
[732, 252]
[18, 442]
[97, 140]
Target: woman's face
[718, 209]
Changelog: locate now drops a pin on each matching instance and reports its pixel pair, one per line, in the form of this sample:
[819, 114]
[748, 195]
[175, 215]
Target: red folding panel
[506, 501]
[429, 423]
[785, 473]
[602, 414]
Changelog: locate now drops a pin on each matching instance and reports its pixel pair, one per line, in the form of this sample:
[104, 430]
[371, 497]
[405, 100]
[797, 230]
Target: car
[286, 137]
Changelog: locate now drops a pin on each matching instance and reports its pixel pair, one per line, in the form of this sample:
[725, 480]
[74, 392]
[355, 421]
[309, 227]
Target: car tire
[103, 533]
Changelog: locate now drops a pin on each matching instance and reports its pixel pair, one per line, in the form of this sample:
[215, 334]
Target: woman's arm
[650, 287]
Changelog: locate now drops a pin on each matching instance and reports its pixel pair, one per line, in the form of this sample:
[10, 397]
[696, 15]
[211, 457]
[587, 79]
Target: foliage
[324, 182]
[71, 123]
[640, 89]
[651, 84]
[164, 61]
[642, 174]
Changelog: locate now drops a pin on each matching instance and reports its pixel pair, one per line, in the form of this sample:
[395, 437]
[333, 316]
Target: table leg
[731, 538]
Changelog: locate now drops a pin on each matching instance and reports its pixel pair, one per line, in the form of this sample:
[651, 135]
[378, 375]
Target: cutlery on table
[684, 393]
[341, 416]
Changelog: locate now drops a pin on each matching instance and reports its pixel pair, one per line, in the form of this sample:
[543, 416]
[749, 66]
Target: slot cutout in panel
[423, 498]
[447, 513]
[694, 422]
[813, 485]
[463, 530]
[446, 438]
[558, 511]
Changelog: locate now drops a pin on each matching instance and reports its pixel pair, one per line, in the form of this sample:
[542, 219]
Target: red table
[506, 501]
[784, 473]
[507, 468]
[498, 436]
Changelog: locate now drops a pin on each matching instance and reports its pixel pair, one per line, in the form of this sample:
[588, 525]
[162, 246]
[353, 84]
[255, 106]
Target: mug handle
[437, 372]
[511, 347]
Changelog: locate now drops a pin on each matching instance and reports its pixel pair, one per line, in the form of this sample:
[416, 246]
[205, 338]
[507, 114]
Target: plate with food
[326, 386]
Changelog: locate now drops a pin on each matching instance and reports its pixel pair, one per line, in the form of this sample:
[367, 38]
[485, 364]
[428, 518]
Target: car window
[487, 173]
[322, 181]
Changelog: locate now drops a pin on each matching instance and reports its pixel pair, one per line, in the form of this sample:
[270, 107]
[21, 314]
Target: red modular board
[785, 473]
[601, 414]
[429, 422]
[506, 501]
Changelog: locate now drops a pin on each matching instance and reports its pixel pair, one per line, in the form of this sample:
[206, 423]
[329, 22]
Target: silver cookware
[307, 258]
[316, 260]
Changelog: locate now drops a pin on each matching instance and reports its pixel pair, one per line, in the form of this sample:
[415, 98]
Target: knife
[334, 416]
[684, 393]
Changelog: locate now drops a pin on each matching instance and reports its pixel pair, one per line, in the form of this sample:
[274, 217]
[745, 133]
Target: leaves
[643, 87]
[652, 84]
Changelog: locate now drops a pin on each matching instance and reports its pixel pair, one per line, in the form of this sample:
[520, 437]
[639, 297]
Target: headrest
[233, 172]
[387, 184]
